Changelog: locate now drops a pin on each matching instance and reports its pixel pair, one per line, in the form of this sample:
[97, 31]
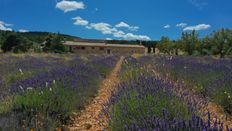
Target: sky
[116, 19]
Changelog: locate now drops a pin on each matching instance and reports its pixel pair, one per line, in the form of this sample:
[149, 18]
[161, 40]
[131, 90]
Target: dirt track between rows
[92, 118]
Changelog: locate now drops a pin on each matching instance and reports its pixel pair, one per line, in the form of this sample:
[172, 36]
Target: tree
[205, 47]
[54, 44]
[176, 47]
[149, 49]
[154, 43]
[189, 41]
[10, 42]
[15, 42]
[151, 45]
[222, 42]
[165, 45]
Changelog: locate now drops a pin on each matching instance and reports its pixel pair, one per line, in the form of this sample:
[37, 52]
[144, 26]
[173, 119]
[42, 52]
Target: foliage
[33, 41]
[222, 42]
[165, 45]
[16, 43]
[217, 43]
[40, 37]
[53, 43]
[189, 40]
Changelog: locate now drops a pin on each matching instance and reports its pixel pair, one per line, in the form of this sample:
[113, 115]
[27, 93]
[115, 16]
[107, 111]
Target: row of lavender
[44, 100]
[16, 68]
[212, 78]
[145, 102]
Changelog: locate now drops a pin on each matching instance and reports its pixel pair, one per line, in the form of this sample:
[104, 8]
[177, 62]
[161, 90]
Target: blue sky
[116, 19]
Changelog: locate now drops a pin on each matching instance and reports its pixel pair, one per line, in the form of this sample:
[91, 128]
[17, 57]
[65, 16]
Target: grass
[53, 103]
[102, 69]
[50, 107]
[132, 109]
[6, 105]
[223, 97]
[18, 76]
[202, 83]
[136, 105]
[125, 76]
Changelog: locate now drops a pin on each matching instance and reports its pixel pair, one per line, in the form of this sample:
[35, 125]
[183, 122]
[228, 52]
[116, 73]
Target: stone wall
[107, 50]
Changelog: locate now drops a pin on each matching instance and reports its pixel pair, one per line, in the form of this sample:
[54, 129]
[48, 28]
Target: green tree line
[217, 43]
[33, 42]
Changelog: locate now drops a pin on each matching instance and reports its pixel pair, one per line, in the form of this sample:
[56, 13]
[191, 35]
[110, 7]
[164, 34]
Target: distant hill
[40, 37]
[89, 40]
[37, 37]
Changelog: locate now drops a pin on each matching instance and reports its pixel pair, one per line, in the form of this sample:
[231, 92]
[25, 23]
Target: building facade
[104, 48]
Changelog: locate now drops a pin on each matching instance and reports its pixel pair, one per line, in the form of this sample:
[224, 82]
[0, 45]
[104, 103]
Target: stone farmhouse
[86, 47]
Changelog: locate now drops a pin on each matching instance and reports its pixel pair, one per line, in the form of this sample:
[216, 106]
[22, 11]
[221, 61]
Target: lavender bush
[19, 68]
[44, 100]
[210, 77]
[145, 102]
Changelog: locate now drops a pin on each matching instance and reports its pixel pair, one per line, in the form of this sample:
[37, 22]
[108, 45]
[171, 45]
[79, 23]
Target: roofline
[89, 44]
[89, 40]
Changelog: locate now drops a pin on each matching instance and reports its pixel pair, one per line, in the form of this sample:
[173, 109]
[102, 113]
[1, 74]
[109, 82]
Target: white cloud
[109, 39]
[88, 27]
[23, 30]
[130, 36]
[68, 6]
[125, 25]
[197, 27]
[108, 29]
[182, 25]
[200, 4]
[122, 24]
[8, 24]
[80, 21]
[4, 26]
[104, 28]
[167, 26]
[119, 34]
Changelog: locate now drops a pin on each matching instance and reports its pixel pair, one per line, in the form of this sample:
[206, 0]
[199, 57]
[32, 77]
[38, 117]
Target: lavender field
[41, 92]
[115, 65]
[172, 93]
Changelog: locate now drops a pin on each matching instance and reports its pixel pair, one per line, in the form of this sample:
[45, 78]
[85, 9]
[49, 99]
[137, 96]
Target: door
[109, 51]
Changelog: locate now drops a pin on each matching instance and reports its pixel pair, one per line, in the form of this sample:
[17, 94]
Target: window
[83, 48]
[101, 48]
[77, 48]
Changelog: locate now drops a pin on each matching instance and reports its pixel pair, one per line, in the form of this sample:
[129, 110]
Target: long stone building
[83, 47]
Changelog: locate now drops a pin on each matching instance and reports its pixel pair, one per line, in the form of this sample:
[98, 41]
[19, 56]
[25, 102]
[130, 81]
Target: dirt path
[91, 117]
